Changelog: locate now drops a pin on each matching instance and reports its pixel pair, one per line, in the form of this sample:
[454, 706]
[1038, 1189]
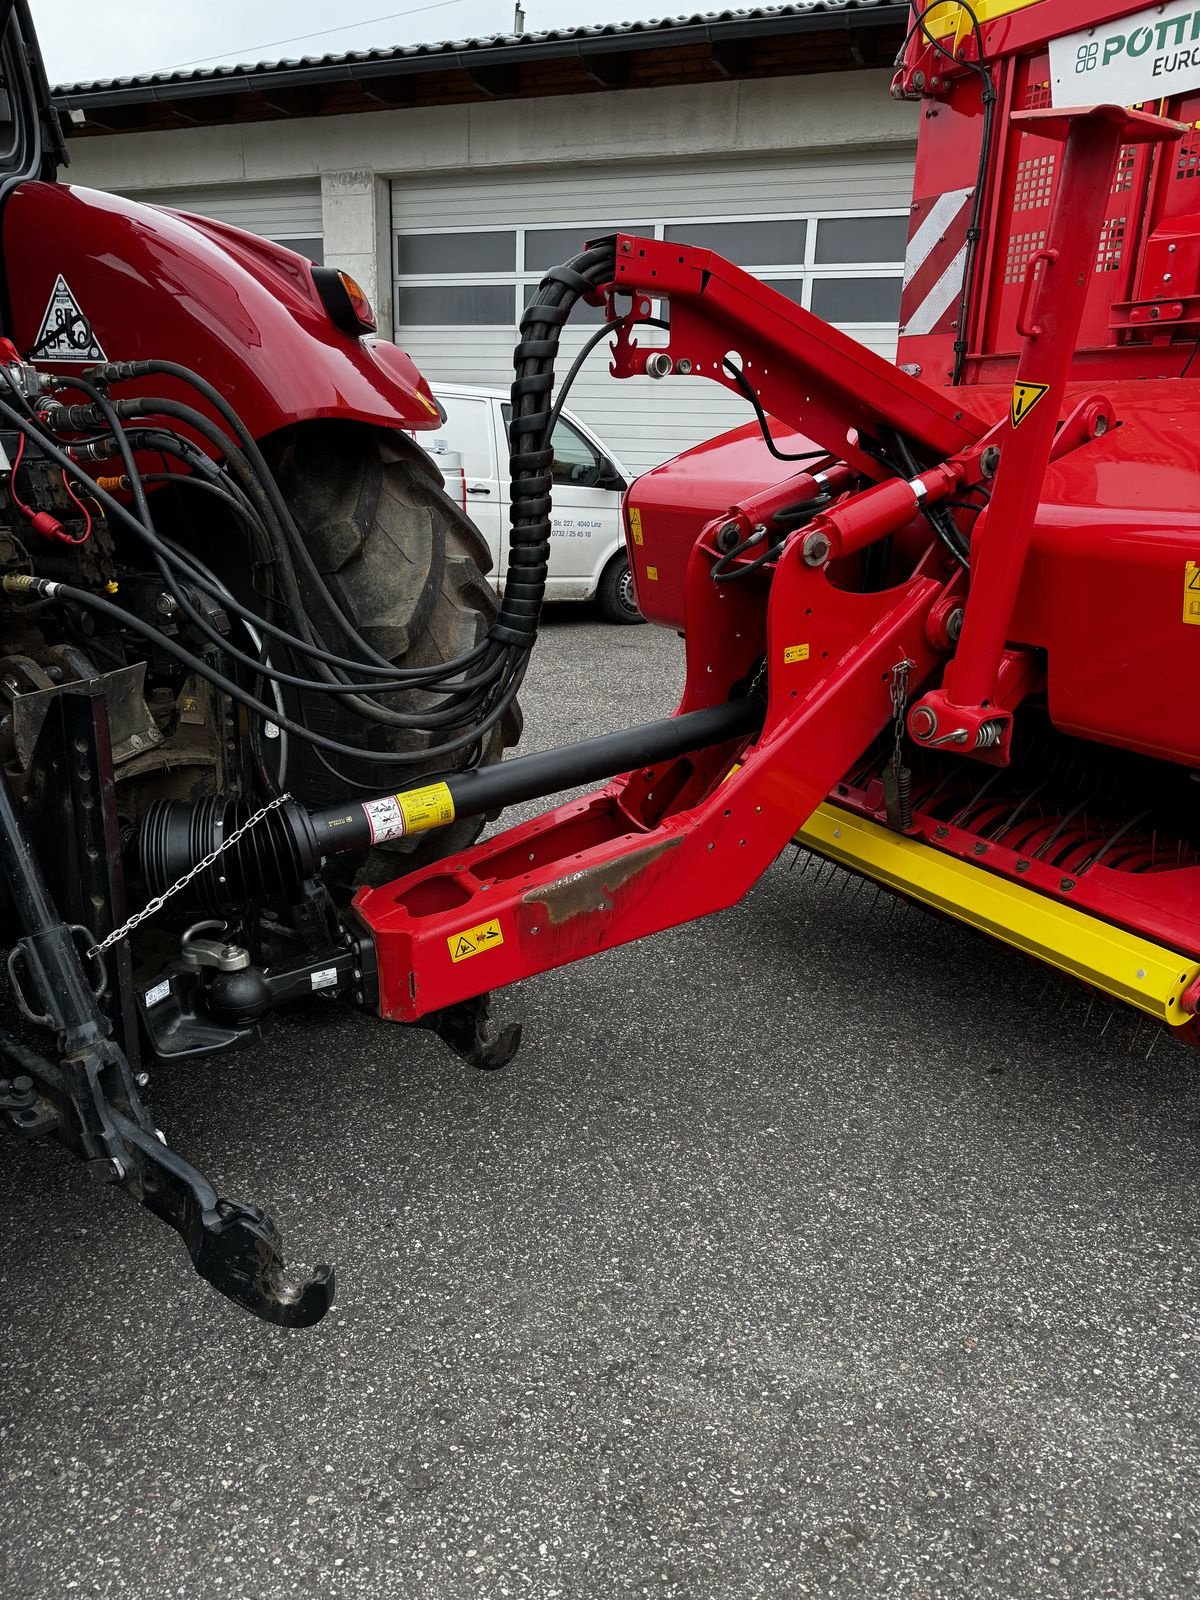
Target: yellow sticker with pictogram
[1191, 593]
[429, 807]
[793, 653]
[635, 524]
[475, 941]
[392, 816]
[652, 574]
[1024, 397]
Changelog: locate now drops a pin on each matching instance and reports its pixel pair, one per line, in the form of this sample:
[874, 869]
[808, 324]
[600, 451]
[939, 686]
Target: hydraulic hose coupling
[72, 419]
[119, 371]
[882, 509]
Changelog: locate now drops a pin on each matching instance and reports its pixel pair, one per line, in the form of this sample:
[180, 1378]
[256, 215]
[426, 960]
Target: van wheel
[615, 593]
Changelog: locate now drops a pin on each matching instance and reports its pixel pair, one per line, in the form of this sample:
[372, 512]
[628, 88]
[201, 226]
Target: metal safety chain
[160, 900]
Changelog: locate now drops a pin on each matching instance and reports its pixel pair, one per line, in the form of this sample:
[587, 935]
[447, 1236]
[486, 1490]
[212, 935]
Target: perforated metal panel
[1027, 182]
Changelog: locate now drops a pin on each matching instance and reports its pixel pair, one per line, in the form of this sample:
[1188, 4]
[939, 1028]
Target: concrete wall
[354, 155]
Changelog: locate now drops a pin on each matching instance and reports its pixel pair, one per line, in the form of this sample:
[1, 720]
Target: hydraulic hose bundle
[458, 700]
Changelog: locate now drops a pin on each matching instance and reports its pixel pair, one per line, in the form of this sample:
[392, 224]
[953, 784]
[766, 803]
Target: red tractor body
[218, 299]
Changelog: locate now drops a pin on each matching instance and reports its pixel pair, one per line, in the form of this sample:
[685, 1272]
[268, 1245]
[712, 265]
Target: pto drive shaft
[269, 863]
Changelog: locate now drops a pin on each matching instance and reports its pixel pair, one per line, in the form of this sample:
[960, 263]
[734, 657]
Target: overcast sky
[86, 39]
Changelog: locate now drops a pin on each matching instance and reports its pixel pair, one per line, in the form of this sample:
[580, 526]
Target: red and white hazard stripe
[935, 262]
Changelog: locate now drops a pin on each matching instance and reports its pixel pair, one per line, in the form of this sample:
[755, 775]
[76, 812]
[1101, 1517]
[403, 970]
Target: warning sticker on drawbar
[384, 818]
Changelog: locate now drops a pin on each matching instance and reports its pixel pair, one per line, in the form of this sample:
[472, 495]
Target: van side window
[575, 460]
[469, 431]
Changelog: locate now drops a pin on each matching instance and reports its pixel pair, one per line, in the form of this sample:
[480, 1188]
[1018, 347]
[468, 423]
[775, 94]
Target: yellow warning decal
[394, 815]
[1024, 397]
[652, 574]
[475, 941]
[1191, 593]
[795, 652]
[430, 807]
[635, 524]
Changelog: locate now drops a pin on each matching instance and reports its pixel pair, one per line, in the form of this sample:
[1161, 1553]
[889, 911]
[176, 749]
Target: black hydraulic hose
[45, 588]
[746, 389]
[283, 547]
[504, 651]
[194, 575]
[161, 554]
[530, 463]
[358, 695]
[401, 677]
[943, 524]
[264, 494]
[124, 371]
[193, 480]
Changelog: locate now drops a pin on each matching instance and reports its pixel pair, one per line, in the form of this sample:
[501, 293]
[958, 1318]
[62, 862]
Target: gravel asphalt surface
[813, 1250]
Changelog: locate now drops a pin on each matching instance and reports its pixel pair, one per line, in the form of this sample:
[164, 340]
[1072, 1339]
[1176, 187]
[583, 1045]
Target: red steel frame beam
[804, 371]
[1056, 278]
[663, 846]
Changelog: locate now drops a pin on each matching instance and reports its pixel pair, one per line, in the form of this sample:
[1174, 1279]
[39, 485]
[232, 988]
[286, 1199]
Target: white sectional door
[288, 212]
[468, 250]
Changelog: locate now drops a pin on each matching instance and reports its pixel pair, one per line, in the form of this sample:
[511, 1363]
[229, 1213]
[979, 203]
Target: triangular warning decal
[464, 947]
[65, 333]
[1024, 397]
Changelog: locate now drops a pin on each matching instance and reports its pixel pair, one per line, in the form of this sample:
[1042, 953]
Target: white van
[587, 541]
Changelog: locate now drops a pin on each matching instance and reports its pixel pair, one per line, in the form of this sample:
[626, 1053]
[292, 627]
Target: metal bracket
[466, 1028]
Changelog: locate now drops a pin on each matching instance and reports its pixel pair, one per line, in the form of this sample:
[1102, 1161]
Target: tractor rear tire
[408, 568]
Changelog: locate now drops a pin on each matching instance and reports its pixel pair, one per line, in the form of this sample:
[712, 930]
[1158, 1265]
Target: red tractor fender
[242, 311]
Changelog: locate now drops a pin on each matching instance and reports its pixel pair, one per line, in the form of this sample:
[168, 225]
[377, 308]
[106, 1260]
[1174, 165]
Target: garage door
[468, 251]
[289, 213]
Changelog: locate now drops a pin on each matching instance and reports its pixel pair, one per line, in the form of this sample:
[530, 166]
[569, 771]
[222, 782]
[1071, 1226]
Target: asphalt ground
[813, 1250]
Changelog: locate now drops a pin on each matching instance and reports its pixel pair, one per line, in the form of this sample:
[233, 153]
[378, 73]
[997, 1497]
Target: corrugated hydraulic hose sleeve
[532, 454]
